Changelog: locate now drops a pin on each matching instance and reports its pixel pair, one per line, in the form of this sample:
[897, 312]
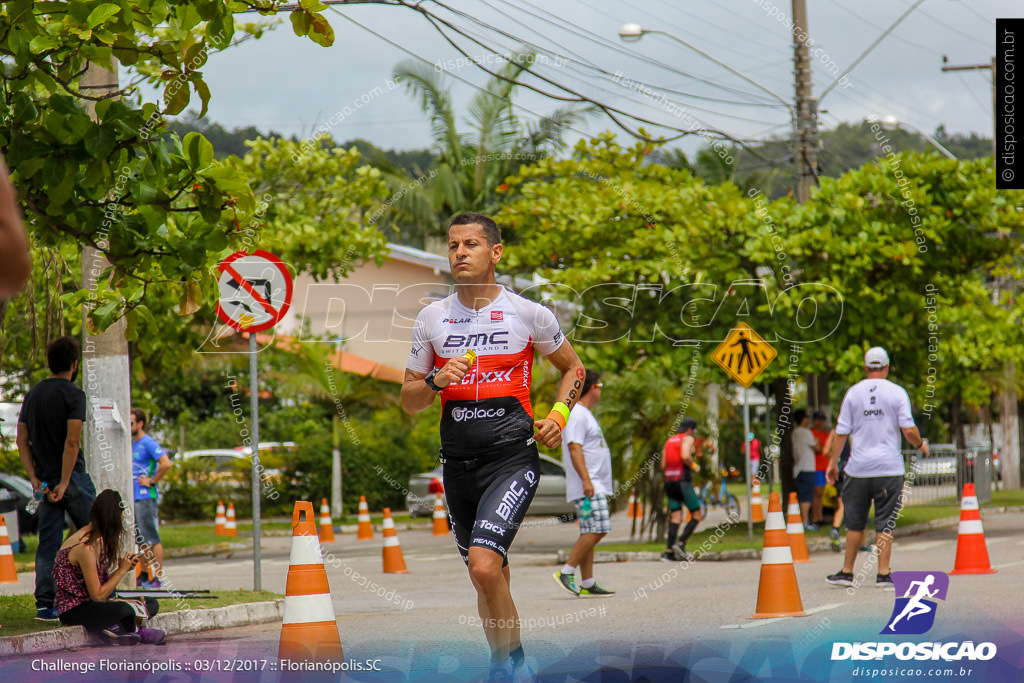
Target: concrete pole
[805, 137]
[105, 369]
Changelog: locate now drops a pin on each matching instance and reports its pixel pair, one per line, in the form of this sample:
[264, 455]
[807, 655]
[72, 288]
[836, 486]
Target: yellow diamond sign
[744, 354]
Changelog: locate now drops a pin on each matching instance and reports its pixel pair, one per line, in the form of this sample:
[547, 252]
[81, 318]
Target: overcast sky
[290, 85]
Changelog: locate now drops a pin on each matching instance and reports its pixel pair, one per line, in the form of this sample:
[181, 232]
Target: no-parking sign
[255, 290]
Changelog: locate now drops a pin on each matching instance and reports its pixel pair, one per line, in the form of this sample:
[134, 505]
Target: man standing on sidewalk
[49, 443]
[804, 448]
[149, 465]
[588, 484]
[874, 413]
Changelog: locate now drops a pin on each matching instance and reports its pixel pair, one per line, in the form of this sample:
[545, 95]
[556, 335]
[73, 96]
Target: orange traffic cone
[971, 551]
[631, 506]
[230, 529]
[756, 504]
[8, 572]
[219, 520]
[394, 563]
[365, 531]
[440, 518]
[310, 629]
[778, 594]
[326, 526]
[795, 531]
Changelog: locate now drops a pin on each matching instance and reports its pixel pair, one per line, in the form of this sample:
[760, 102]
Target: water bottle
[585, 509]
[37, 498]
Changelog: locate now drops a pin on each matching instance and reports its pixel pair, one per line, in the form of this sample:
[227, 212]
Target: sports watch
[429, 379]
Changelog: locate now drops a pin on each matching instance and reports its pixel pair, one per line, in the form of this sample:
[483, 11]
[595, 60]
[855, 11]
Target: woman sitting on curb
[84, 586]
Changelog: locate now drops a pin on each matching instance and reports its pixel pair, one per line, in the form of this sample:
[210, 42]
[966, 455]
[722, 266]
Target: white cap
[876, 357]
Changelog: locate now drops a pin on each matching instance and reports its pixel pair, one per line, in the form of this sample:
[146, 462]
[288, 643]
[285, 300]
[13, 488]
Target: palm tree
[471, 166]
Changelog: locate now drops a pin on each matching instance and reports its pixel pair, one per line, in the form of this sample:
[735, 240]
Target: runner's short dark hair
[592, 378]
[140, 415]
[818, 415]
[61, 354]
[798, 416]
[687, 424]
[491, 231]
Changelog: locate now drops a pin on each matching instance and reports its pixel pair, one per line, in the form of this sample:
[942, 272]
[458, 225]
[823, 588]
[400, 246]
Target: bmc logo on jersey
[456, 341]
[466, 414]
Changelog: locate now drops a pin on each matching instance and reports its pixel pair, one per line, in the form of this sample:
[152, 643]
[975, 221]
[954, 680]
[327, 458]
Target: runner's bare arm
[916, 440]
[832, 473]
[417, 396]
[573, 373]
[686, 453]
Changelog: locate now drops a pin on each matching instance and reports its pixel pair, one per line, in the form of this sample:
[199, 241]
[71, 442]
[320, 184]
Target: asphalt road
[664, 619]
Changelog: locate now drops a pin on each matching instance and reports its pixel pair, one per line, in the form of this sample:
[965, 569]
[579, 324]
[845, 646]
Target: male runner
[676, 462]
[490, 462]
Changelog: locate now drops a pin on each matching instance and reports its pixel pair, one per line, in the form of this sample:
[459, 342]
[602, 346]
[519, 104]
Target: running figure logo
[914, 613]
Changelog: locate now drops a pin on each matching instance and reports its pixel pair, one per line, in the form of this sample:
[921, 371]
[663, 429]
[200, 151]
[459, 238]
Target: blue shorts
[805, 487]
[819, 478]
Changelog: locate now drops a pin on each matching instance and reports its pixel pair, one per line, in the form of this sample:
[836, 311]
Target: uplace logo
[914, 614]
[465, 414]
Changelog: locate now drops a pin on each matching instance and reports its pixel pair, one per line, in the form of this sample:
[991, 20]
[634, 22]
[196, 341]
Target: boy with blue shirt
[149, 465]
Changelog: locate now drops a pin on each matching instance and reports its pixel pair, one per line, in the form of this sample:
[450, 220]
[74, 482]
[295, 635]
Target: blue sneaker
[46, 614]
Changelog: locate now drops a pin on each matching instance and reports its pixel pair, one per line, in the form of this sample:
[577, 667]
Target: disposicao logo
[914, 614]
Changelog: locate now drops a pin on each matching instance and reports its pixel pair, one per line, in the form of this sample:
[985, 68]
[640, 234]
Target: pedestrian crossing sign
[744, 354]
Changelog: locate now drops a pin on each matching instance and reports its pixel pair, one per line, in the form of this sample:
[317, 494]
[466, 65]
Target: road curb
[754, 553]
[173, 623]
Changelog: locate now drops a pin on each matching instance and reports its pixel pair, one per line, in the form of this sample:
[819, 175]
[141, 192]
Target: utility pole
[105, 370]
[805, 128]
[1009, 450]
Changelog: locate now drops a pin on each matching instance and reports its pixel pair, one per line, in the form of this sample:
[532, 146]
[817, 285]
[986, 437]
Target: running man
[677, 463]
[914, 606]
[490, 461]
[874, 413]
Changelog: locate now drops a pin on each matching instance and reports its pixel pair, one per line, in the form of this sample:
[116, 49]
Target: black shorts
[859, 492]
[488, 498]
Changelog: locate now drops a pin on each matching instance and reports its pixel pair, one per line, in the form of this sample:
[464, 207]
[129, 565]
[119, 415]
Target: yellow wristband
[557, 418]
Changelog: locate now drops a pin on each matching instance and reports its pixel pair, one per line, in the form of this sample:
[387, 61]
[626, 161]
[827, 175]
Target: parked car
[228, 463]
[21, 489]
[549, 499]
[939, 466]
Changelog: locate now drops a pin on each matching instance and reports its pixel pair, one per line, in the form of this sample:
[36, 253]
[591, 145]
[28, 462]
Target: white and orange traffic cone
[230, 528]
[8, 572]
[795, 531]
[756, 504]
[631, 506]
[778, 594]
[365, 531]
[394, 563]
[440, 518]
[971, 550]
[220, 520]
[310, 628]
[326, 525]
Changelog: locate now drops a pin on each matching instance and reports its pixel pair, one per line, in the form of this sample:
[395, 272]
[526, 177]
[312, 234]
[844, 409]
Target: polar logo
[466, 414]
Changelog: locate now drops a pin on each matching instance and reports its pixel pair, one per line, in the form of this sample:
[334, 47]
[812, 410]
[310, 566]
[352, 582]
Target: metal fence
[940, 477]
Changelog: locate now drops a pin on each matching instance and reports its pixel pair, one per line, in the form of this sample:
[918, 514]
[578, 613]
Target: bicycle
[721, 498]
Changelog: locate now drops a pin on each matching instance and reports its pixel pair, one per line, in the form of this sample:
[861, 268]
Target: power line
[952, 28]
[873, 25]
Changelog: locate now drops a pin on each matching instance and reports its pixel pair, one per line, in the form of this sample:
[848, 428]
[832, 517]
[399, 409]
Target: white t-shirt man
[873, 412]
[803, 450]
[582, 429]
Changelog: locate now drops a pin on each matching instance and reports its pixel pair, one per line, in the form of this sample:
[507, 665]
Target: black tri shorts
[488, 498]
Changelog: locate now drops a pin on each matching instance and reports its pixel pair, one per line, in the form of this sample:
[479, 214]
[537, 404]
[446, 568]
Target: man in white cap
[874, 412]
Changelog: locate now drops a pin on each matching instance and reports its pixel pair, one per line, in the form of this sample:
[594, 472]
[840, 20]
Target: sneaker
[502, 673]
[567, 581]
[667, 556]
[152, 636]
[595, 591]
[678, 552]
[114, 636]
[864, 548]
[811, 527]
[840, 578]
[833, 537]
[523, 674]
[155, 583]
[46, 614]
[884, 581]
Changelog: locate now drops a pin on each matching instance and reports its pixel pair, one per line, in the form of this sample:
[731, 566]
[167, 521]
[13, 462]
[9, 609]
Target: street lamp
[632, 33]
[891, 122]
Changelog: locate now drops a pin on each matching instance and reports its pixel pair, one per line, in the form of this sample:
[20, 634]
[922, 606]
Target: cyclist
[677, 463]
